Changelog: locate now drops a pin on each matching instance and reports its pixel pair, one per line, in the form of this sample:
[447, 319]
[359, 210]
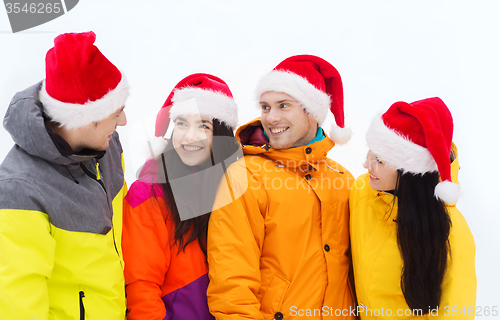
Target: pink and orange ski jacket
[161, 282]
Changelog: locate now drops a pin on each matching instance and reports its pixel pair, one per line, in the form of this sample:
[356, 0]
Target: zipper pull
[97, 176]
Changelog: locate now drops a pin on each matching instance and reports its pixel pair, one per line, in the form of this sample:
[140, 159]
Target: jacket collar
[253, 142]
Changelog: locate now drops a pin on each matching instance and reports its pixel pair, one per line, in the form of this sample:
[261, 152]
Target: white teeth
[277, 130]
[373, 177]
[191, 148]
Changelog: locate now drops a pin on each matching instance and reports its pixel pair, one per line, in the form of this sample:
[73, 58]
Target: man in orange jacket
[278, 237]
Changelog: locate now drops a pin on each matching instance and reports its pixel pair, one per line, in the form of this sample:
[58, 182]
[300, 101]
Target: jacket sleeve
[146, 252]
[458, 300]
[26, 260]
[235, 238]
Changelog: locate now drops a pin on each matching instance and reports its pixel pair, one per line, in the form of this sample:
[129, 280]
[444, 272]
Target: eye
[181, 123]
[264, 107]
[284, 105]
[204, 126]
[378, 160]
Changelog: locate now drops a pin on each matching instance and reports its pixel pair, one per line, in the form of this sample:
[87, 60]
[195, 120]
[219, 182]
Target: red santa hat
[81, 85]
[199, 93]
[416, 137]
[202, 94]
[314, 83]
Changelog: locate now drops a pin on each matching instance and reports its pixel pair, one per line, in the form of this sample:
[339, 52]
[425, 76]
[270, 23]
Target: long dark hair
[224, 152]
[423, 228]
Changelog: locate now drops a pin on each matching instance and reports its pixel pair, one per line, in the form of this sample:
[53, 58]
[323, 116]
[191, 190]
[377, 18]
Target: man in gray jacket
[61, 190]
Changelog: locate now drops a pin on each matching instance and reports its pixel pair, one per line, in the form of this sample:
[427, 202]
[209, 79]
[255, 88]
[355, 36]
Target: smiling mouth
[190, 148]
[373, 177]
[278, 130]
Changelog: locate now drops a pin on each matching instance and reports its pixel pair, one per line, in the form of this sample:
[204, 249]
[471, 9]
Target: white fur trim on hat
[73, 115]
[447, 191]
[397, 151]
[313, 100]
[206, 103]
[155, 147]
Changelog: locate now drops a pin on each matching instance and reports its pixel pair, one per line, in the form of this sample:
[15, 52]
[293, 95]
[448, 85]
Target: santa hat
[199, 93]
[416, 137]
[202, 94]
[315, 84]
[81, 86]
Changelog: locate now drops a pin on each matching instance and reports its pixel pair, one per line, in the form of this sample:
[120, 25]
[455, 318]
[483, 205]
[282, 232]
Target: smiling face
[96, 135]
[285, 122]
[192, 138]
[382, 176]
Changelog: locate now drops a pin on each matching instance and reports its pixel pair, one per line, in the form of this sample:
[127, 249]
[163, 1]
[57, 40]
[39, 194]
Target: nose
[122, 119]
[366, 164]
[195, 134]
[273, 116]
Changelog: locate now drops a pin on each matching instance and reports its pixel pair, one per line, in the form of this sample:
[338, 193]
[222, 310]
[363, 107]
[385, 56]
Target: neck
[68, 135]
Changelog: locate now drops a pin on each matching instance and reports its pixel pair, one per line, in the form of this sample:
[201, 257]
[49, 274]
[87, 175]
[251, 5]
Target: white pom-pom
[154, 147]
[340, 135]
[447, 191]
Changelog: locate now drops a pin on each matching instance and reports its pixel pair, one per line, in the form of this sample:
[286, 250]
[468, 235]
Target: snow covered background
[385, 51]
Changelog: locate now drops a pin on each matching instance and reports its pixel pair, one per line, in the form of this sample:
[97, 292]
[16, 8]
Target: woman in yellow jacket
[413, 253]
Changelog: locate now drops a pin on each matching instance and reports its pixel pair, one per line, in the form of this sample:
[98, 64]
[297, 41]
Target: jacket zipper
[97, 178]
[93, 176]
[82, 307]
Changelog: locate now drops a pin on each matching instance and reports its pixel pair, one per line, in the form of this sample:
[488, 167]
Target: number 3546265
[33, 7]
[477, 311]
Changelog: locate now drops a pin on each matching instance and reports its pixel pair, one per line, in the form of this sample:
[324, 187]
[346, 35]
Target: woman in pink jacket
[166, 211]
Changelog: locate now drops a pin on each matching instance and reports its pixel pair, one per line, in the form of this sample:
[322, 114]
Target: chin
[280, 145]
[374, 186]
[102, 148]
[191, 162]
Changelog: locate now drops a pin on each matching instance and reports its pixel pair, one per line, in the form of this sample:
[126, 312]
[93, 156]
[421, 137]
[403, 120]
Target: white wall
[385, 51]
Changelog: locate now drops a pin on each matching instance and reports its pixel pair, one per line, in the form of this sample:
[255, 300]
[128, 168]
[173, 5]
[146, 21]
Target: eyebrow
[199, 121]
[278, 102]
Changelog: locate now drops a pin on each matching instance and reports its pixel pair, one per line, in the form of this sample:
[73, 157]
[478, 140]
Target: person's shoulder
[339, 168]
[461, 240]
[253, 159]
[361, 190]
[20, 193]
[459, 225]
[141, 191]
[248, 163]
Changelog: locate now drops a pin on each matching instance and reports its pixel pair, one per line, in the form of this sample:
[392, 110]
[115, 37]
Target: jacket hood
[455, 166]
[253, 141]
[25, 122]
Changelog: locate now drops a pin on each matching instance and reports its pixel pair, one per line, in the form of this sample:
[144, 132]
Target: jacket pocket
[275, 293]
[82, 307]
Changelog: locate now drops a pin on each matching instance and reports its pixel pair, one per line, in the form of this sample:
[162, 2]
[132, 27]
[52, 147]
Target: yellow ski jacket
[378, 264]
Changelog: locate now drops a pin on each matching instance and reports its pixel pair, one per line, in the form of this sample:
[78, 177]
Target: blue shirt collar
[319, 136]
